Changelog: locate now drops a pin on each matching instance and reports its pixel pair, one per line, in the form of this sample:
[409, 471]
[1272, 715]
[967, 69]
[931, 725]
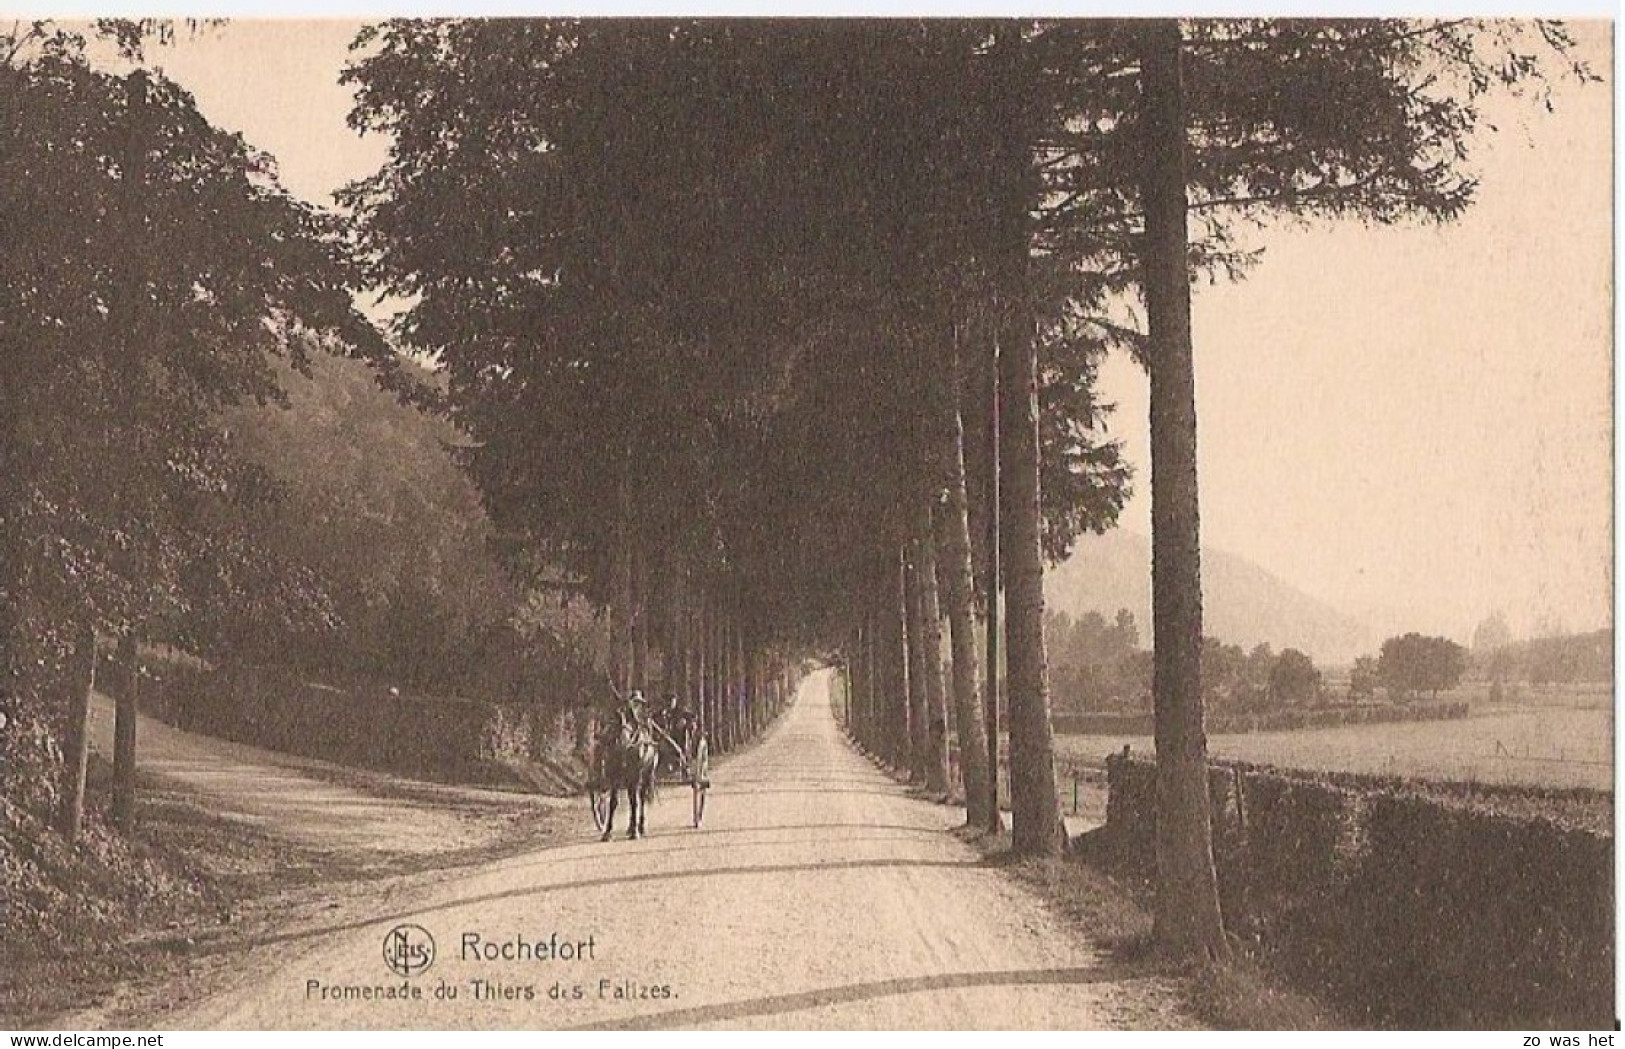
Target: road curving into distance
[819, 894]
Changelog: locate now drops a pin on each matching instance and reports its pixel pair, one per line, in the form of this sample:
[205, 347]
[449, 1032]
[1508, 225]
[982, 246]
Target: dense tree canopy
[714, 274]
[152, 271]
[721, 256]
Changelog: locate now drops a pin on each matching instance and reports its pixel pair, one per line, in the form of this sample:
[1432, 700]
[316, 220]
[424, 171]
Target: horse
[627, 759]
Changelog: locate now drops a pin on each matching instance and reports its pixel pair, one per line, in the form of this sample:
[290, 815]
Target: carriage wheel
[599, 800]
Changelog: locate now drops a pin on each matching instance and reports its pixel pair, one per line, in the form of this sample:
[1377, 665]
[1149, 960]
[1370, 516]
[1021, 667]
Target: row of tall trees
[749, 321]
[768, 337]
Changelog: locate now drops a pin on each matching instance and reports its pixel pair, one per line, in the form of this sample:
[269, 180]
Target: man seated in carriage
[631, 714]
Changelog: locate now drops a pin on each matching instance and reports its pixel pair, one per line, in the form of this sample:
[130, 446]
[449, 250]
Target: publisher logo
[408, 950]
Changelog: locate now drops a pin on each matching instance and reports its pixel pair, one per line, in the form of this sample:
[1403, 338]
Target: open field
[1551, 746]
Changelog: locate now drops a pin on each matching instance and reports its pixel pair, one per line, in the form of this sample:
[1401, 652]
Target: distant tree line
[1099, 666]
[1564, 659]
[1096, 665]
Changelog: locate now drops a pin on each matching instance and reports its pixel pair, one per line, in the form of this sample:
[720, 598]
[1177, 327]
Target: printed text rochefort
[519, 948]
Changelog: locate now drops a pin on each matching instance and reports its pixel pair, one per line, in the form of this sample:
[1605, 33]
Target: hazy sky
[1414, 424]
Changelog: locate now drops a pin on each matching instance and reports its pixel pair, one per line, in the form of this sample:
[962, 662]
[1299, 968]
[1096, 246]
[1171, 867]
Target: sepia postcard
[673, 523]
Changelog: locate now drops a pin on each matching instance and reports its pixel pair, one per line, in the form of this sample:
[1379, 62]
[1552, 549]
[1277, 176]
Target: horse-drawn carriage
[634, 753]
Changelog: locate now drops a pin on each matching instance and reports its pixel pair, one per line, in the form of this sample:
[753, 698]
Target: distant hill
[387, 526]
[1242, 603]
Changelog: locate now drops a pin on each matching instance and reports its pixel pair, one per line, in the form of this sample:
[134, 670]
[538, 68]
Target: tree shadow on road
[740, 870]
[772, 1005]
[767, 828]
[757, 792]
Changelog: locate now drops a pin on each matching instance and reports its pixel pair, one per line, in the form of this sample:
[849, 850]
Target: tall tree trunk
[860, 683]
[758, 693]
[992, 601]
[699, 639]
[128, 698]
[871, 673]
[858, 700]
[76, 747]
[919, 740]
[1187, 919]
[1035, 806]
[897, 664]
[958, 588]
[746, 689]
[936, 701]
[680, 639]
[871, 677]
[741, 686]
[725, 683]
[720, 682]
[730, 685]
[854, 691]
[747, 692]
[640, 618]
[620, 621]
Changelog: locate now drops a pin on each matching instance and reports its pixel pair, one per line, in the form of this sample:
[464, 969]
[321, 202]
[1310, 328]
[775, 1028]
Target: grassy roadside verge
[1237, 994]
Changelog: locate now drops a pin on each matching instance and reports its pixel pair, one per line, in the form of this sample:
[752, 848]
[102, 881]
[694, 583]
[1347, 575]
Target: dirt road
[309, 802]
[818, 895]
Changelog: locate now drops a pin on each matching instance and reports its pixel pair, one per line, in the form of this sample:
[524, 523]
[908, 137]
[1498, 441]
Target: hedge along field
[1543, 747]
[1456, 908]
